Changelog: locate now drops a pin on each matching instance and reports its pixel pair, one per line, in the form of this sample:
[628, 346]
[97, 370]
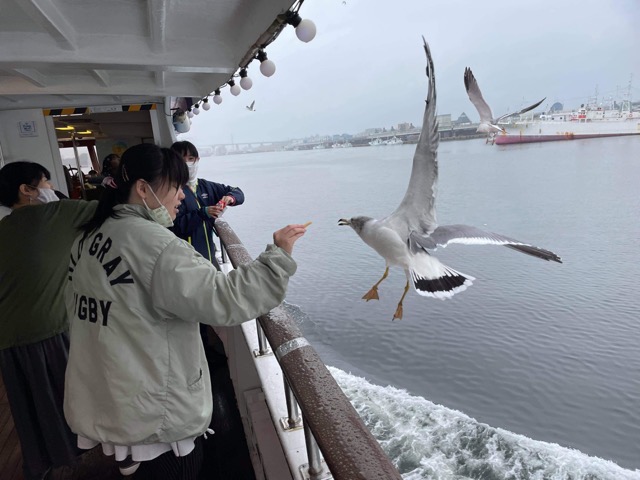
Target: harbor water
[531, 373]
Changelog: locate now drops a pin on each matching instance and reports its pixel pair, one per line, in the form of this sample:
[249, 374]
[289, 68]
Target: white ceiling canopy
[65, 53]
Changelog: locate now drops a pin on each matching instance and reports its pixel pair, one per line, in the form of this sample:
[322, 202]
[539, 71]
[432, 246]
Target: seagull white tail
[434, 279]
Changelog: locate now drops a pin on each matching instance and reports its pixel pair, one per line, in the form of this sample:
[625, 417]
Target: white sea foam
[425, 440]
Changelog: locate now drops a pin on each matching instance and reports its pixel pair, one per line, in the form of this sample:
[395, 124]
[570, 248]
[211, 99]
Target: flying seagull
[250, 107]
[405, 237]
[487, 123]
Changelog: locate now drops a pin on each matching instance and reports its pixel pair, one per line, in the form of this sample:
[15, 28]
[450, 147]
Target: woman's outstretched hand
[287, 236]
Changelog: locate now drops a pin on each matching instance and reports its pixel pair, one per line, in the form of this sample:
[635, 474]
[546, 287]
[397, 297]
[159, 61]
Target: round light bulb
[235, 90]
[267, 68]
[246, 83]
[196, 110]
[217, 99]
[206, 105]
[190, 114]
[306, 30]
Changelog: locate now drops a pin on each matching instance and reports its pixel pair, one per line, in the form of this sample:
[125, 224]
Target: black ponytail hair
[14, 174]
[155, 165]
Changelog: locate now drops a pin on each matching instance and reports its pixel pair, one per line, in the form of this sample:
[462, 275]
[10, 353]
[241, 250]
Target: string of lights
[305, 31]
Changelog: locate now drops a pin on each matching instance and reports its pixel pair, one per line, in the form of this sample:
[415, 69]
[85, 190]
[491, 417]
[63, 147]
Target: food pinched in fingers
[307, 224]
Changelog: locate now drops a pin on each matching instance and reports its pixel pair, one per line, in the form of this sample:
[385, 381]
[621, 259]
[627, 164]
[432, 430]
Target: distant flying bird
[404, 237]
[487, 123]
[250, 107]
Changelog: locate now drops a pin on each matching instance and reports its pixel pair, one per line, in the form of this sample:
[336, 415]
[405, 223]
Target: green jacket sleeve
[77, 212]
[185, 285]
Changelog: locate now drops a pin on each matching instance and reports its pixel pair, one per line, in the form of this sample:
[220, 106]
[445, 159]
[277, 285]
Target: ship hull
[585, 123]
[510, 139]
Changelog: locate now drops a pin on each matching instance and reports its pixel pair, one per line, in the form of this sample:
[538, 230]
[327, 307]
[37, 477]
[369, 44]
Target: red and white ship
[589, 121]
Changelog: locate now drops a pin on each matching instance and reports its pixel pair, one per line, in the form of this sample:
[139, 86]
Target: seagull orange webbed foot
[398, 313]
[373, 293]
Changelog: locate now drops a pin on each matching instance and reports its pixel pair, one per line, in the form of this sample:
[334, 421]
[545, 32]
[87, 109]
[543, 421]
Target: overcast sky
[365, 68]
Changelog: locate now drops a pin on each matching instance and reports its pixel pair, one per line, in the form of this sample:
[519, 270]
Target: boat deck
[226, 456]
[92, 464]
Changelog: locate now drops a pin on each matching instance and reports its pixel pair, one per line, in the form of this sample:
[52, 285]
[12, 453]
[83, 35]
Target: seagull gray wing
[524, 110]
[417, 212]
[475, 96]
[446, 234]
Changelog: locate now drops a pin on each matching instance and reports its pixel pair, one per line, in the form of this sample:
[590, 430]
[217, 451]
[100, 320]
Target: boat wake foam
[425, 440]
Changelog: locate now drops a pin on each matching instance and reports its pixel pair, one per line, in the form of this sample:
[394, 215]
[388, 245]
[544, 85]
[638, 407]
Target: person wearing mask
[137, 380]
[35, 241]
[204, 202]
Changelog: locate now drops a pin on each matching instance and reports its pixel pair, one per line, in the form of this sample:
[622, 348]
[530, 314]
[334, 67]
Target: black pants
[34, 380]
[169, 467]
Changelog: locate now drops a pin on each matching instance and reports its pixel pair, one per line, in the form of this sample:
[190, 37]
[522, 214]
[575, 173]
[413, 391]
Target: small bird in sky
[250, 107]
[488, 124]
[405, 237]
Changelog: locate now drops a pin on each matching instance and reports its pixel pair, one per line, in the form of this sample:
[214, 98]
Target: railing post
[263, 344]
[313, 453]
[223, 252]
[294, 420]
[314, 470]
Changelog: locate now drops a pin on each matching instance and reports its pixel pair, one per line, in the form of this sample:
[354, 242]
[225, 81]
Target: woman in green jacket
[35, 241]
[137, 380]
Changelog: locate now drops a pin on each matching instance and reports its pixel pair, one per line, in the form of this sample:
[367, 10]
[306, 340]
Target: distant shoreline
[446, 135]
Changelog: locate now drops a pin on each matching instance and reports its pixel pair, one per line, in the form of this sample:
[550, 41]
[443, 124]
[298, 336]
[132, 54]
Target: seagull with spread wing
[405, 237]
[250, 107]
[487, 123]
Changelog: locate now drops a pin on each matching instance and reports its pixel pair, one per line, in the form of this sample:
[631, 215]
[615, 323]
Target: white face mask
[160, 214]
[193, 172]
[46, 195]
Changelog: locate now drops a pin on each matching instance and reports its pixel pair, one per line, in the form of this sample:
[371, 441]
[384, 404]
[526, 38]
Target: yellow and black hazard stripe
[139, 108]
[50, 112]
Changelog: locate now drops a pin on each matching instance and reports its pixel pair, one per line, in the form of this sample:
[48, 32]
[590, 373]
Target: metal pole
[313, 453]
[80, 175]
[294, 419]
[263, 344]
[223, 252]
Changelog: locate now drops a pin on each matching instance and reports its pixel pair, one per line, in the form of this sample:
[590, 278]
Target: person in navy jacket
[204, 202]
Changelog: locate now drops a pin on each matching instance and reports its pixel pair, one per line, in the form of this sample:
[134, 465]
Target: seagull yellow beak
[344, 221]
